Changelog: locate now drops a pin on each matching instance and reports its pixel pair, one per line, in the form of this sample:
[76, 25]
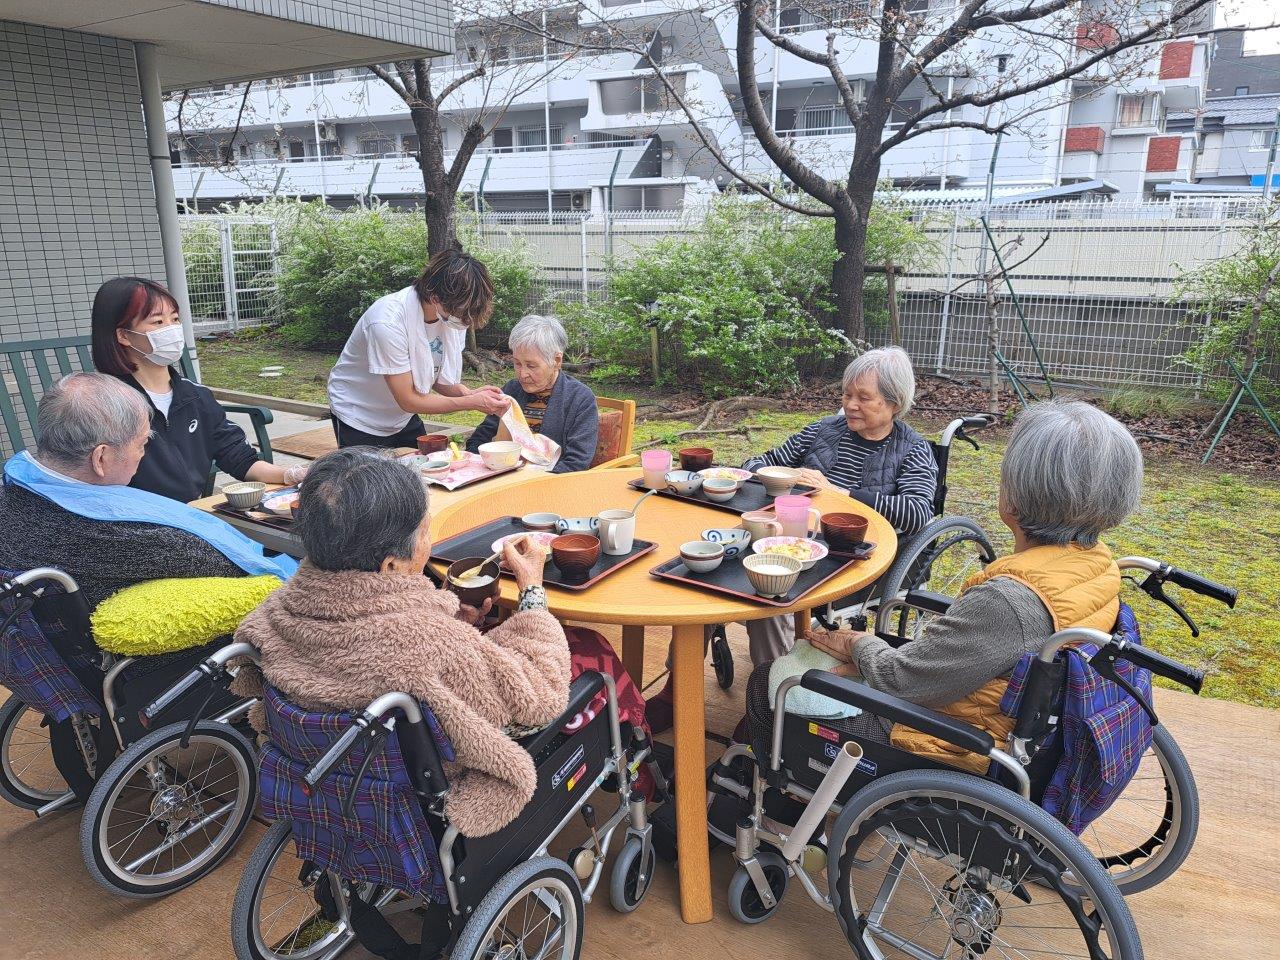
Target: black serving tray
[478, 542]
[731, 578]
[260, 514]
[750, 496]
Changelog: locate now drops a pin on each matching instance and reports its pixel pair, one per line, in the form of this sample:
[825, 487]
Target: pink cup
[799, 518]
[655, 464]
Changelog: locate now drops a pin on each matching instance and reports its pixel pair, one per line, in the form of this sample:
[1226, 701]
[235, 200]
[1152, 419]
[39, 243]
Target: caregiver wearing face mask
[137, 337]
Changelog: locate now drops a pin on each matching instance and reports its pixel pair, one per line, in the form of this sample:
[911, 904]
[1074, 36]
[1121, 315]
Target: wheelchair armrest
[928, 600]
[889, 707]
[581, 692]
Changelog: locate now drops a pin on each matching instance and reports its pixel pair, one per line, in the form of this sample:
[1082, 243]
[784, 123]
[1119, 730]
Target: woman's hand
[474, 616]
[815, 478]
[489, 400]
[525, 559]
[837, 643]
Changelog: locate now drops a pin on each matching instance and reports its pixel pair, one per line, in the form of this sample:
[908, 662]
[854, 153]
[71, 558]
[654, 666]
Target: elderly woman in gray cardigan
[555, 404]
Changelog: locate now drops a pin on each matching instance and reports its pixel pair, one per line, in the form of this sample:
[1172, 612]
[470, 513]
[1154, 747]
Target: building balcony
[1080, 166]
[638, 103]
[828, 151]
[564, 167]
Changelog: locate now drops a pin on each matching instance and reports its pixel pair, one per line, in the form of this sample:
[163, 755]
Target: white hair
[543, 334]
[83, 411]
[1070, 472]
[895, 378]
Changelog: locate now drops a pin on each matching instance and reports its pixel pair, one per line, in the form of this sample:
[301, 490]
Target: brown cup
[694, 459]
[575, 554]
[843, 531]
[432, 443]
[474, 596]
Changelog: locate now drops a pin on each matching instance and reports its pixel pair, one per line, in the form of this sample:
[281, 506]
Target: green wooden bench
[27, 369]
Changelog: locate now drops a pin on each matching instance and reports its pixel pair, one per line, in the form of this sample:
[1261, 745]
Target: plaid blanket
[385, 839]
[33, 669]
[1104, 731]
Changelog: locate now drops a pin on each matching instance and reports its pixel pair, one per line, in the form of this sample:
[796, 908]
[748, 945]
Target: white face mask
[166, 344]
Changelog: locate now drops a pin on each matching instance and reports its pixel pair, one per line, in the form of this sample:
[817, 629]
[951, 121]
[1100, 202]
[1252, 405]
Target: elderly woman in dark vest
[865, 451]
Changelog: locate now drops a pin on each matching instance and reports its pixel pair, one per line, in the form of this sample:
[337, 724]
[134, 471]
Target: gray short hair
[544, 334]
[1070, 472]
[83, 411]
[357, 507]
[895, 378]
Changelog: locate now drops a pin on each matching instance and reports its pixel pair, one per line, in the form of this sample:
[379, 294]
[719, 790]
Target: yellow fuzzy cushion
[161, 616]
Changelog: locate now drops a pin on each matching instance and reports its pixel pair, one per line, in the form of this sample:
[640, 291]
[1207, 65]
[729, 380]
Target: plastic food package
[539, 450]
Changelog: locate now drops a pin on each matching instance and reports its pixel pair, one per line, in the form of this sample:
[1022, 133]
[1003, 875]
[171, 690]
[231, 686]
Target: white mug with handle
[617, 532]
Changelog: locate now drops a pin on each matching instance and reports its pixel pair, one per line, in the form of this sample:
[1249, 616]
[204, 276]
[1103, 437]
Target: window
[1242, 91]
[903, 110]
[1138, 110]
[242, 151]
[376, 146]
[296, 150]
[602, 140]
[828, 118]
[824, 14]
[532, 138]
[1260, 140]
[330, 148]
[409, 144]
[502, 140]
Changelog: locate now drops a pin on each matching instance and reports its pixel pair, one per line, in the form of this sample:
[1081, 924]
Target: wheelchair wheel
[275, 915]
[28, 776]
[1148, 832]
[535, 910]
[162, 816]
[938, 864]
[745, 902]
[722, 658]
[940, 558]
[629, 878]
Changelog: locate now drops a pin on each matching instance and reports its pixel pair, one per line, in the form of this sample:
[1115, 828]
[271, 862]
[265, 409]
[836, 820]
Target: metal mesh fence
[1098, 294]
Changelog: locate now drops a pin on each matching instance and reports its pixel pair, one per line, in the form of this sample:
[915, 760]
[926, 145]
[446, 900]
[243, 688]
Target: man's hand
[489, 400]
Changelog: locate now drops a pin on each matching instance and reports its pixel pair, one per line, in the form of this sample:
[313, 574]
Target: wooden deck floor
[1224, 903]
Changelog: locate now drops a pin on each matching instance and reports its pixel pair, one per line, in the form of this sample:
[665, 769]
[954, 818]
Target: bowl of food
[575, 554]
[808, 552]
[771, 574]
[540, 538]
[244, 496]
[733, 539]
[540, 521]
[282, 504]
[474, 580]
[683, 482]
[431, 466]
[500, 454]
[737, 475]
[720, 491]
[701, 556]
[778, 481]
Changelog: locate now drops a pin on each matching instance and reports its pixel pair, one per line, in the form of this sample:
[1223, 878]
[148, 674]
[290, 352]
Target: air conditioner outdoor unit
[579, 201]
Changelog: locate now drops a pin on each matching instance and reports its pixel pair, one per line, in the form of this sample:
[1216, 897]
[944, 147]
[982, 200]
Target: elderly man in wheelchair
[970, 748]
[107, 595]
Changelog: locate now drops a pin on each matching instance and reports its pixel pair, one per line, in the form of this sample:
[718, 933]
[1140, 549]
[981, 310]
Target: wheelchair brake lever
[1104, 662]
[1153, 587]
[960, 434]
[377, 737]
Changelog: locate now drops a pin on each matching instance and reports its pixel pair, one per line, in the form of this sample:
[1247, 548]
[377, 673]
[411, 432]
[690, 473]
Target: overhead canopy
[1006, 195]
[215, 41]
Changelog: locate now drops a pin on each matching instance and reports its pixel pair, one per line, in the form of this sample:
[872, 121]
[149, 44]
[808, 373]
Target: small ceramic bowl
[500, 454]
[696, 458]
[684, 482]
[435, 467]
[282, 504]
[844, 531]
[736, 474]
[771, 574]
[721, 491]
[773, 546]
[587, 525]
[778, 481]
[244, 496]
[575, 554]
[701, 556]
[733, 539]
[486, 584]
[540, 521]
[432, 443]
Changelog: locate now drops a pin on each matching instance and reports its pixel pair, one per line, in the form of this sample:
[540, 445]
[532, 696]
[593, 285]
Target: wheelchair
[359, 802]
[166, 796]
[944, 555]
[926, 861]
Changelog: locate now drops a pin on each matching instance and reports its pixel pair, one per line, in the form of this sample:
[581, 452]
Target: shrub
[739, 304]
[334, 264]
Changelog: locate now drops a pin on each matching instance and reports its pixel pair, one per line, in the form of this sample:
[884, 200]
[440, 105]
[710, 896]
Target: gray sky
[1253, 13]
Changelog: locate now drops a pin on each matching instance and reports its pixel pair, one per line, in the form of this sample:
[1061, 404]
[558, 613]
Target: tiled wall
[76, 204]
[420, 23]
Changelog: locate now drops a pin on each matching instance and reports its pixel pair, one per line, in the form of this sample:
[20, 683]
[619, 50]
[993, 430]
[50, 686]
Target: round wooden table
[633, 599]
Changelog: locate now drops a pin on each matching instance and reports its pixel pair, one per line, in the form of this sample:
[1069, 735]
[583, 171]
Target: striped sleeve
[911, 508]
[789, 454]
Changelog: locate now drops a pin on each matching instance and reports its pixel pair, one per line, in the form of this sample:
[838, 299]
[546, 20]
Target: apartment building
[586, 130]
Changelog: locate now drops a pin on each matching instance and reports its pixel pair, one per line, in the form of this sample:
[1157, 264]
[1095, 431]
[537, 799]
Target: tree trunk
[849, 274]
[438, 199]
[993, 344]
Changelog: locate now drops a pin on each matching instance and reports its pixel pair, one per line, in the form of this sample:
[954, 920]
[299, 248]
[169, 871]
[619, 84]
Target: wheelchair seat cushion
[802, 658]
[163, 616]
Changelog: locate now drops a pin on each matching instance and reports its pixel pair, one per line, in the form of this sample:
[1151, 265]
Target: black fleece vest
[880, 471]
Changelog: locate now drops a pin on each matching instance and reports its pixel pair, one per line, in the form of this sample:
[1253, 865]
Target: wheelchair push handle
[365, 727]
[213, 671]
[1160, 665]
[1203, 586]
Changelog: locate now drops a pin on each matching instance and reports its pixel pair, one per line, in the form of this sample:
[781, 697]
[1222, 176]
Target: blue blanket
[125, 504]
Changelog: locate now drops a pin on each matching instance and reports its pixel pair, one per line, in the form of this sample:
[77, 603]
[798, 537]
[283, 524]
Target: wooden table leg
[691, 798]
[803, 618]
[633, 653]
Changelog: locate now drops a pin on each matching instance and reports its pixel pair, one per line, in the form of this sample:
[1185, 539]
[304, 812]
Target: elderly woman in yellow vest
[1070, 473]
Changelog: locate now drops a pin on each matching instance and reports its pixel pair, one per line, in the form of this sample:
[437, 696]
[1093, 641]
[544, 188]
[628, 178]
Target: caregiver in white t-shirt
[404, 357]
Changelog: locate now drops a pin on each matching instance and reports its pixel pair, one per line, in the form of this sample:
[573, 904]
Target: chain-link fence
[1094, 281]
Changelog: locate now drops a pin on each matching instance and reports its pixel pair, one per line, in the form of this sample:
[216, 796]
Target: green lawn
[1222, 525]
